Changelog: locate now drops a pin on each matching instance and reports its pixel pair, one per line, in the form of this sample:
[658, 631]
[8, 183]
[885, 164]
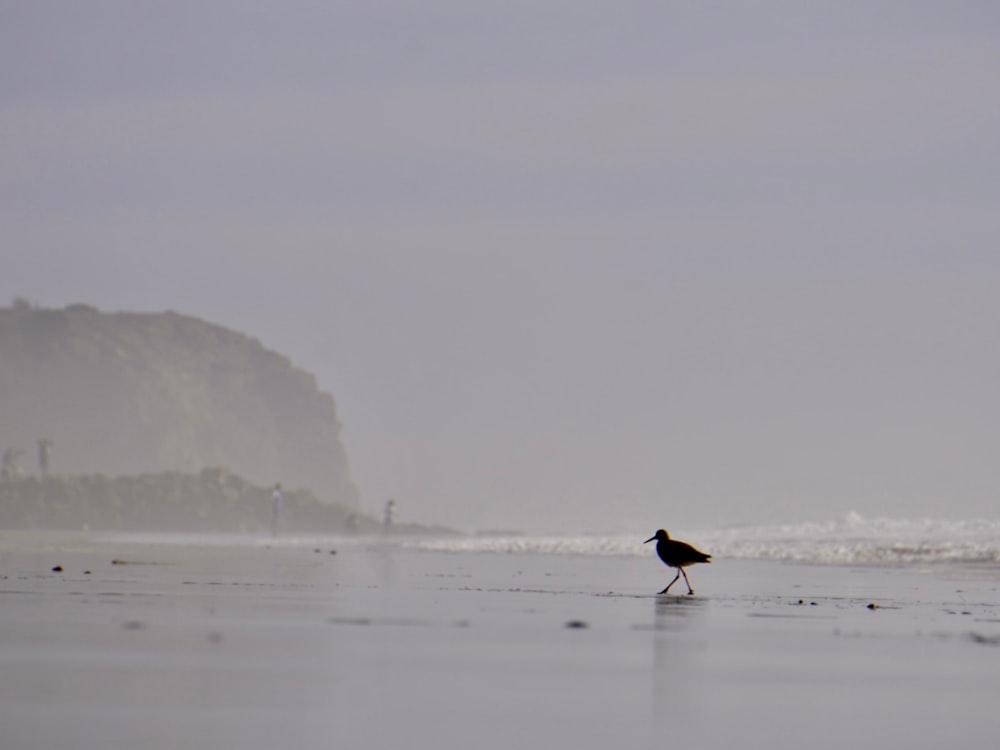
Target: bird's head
[660, 535]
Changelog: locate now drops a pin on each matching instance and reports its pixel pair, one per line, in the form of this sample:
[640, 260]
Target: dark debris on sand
[985, 640]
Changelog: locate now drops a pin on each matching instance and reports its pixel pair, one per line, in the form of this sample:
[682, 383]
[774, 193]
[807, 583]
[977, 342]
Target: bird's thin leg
[690, 590]
[673, 582]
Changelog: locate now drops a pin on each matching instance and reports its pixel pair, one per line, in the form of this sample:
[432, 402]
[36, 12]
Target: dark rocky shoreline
[211, 501]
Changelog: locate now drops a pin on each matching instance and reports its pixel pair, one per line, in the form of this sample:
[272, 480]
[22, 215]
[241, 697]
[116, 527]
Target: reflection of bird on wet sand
[677, 555]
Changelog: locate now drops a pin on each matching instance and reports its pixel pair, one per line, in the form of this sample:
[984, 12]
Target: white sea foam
[849, 540]
[856, 540]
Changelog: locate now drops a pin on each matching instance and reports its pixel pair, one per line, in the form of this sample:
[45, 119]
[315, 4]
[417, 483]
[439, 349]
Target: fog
[583, 266]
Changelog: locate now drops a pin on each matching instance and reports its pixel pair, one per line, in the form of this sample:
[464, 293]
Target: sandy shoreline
[254, 645]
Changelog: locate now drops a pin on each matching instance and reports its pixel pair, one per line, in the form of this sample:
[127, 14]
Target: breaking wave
[851, 540]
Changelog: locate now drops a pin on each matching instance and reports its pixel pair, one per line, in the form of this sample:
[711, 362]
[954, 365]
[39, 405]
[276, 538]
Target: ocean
[850, 540]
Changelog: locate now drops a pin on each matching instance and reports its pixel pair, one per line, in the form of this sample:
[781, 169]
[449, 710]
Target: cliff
[136, 393]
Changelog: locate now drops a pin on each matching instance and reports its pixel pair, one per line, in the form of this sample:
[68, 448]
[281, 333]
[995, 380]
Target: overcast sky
[563, 265]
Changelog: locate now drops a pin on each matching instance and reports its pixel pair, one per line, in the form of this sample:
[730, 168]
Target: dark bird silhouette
[677, 555]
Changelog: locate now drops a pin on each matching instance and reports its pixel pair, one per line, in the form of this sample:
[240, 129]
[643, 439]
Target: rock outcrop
[141, 393]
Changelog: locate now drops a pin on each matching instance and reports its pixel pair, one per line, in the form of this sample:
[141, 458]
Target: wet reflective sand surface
[172, 643]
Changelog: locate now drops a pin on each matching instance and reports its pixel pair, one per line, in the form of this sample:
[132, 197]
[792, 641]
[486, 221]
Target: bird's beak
[650, 539]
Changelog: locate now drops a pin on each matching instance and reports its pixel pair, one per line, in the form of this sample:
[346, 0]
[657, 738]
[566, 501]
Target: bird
[678, 555]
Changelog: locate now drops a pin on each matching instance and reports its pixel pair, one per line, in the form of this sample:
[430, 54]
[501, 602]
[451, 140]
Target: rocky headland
[140, 393]
[160, 421]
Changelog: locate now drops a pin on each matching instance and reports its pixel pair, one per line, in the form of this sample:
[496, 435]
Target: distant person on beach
[352, 523]
[390, 507]
[278, 501]
[11, 465]
[44, 452]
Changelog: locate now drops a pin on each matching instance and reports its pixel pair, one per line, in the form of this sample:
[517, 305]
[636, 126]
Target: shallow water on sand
[253, 645]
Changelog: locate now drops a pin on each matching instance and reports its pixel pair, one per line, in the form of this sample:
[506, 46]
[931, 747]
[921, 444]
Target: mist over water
[565, 268]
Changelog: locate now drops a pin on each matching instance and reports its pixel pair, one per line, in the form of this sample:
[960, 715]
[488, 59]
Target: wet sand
[258, 645]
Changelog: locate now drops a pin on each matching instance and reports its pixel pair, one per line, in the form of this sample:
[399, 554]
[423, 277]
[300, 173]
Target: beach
[166, 642]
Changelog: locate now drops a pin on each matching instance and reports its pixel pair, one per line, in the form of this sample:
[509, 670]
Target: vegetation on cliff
[211, 501]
